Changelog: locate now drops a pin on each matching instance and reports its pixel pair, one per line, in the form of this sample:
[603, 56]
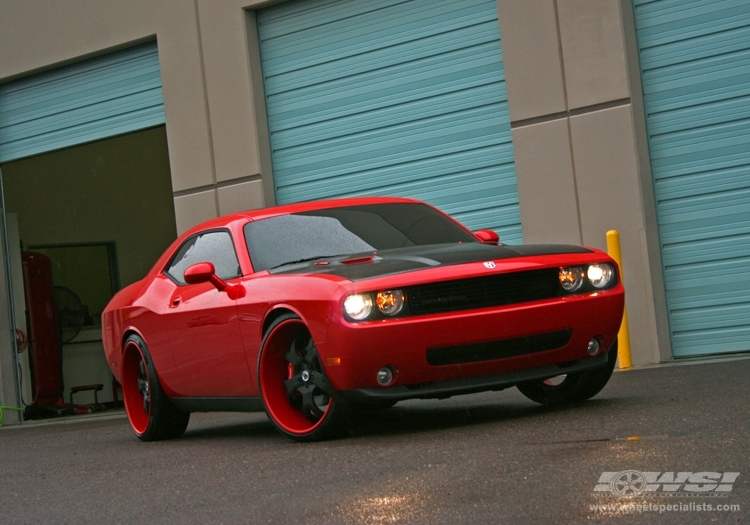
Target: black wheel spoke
[143, 386]
[308, 396]
[310, 356]
[310, 409]
[292, 385]
[293, 354]
[320, 381]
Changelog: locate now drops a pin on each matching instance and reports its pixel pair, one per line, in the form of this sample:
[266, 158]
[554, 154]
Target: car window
[215, 247]
[346, 231]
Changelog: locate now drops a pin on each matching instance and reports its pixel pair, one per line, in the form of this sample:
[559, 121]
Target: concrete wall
[574, 94]
[215, 110]
[580, 143]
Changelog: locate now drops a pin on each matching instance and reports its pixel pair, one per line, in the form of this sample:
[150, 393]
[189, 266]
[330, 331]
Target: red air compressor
[45, 357]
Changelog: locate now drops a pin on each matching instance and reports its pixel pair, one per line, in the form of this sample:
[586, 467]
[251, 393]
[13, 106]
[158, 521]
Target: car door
[202, 323]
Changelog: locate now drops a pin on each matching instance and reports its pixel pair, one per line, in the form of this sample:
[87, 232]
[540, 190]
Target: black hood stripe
[401, 260]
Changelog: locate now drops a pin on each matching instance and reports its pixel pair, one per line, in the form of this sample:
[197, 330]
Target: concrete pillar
[580, 144]
[213, 99]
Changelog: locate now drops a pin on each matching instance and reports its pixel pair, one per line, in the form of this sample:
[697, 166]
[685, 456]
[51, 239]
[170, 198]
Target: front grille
[503, 349]
[482, 292]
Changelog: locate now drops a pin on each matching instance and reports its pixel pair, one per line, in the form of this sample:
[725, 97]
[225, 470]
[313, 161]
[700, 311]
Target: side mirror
[488, 237]
[204, 272]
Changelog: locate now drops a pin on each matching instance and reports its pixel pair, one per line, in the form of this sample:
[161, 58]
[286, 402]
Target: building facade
[125, 123]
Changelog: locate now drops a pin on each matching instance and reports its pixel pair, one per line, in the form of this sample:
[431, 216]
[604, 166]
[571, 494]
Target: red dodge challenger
[309, 311]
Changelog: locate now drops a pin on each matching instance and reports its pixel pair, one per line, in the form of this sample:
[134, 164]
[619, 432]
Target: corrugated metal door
[695, 61]
[391, 97]
[89, 100]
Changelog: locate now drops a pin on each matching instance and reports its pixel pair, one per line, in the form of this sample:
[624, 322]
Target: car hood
[355, 267]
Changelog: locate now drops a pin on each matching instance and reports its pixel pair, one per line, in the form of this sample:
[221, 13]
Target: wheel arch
[123, 345]
[126, 335]
[275, 313]
[115, 352]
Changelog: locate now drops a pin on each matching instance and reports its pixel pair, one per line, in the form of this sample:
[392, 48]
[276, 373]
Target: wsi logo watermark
[628, 483]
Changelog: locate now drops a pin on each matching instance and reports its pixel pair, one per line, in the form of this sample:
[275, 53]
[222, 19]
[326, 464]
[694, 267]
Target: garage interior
[102, 212]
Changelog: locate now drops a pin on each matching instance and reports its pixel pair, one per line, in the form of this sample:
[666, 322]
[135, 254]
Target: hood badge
[489, 264]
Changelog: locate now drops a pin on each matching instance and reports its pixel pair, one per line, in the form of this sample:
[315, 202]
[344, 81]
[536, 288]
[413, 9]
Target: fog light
[390, 302]
[593, 346]
[385, 376]
[571, 279]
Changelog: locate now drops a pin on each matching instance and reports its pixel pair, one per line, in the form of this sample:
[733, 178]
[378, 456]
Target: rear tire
[299, 400]
[579, 386]
[150, 412]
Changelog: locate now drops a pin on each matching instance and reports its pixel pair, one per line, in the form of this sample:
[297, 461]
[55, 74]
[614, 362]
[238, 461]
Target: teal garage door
[101, 97]
[695, 62]
[391, 97]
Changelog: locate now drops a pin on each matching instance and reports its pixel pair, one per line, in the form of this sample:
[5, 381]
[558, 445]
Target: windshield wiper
[306, 259]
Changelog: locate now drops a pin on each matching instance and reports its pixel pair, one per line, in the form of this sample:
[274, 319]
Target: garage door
[89, 100]
[391, 97]
[695, 61]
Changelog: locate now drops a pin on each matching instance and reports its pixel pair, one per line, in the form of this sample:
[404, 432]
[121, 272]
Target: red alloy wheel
[296, 392]
[151, 413]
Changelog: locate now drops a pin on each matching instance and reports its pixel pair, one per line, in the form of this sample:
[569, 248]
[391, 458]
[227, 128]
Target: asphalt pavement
[668, 444]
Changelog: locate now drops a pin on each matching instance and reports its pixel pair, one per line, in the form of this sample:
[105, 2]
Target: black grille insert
[481, 292]
[503, 349]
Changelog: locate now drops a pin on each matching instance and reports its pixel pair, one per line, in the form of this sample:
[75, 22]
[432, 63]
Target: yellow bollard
[623, 337]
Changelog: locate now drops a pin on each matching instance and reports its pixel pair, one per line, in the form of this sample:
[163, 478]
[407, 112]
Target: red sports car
[312, 310]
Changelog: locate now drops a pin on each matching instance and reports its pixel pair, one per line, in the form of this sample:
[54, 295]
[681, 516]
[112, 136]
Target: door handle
[175, 302]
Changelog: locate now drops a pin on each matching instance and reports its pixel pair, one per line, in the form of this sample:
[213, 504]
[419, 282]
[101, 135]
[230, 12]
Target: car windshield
[332, 232]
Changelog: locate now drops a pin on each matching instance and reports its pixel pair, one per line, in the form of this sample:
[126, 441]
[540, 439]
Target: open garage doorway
[99, 214]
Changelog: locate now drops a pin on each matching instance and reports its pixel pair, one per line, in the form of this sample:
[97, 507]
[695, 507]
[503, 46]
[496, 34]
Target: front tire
[571, 388]
[298, 398]
[150, 412]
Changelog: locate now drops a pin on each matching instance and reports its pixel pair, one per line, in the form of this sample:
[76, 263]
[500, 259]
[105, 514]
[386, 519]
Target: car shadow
[410, 417]
[260, 429]
[415, 418]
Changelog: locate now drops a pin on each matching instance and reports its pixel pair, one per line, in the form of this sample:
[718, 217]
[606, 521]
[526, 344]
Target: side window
[215, 247]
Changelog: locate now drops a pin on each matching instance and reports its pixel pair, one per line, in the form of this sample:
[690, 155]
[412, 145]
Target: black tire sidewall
[576, 387]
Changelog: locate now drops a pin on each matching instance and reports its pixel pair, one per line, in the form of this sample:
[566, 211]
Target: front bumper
[469, 385]
[353, 353]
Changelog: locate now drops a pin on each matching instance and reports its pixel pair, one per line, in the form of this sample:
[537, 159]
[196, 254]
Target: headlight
[571, 279]
[390, 302]
[600, 275]
[358, 306]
